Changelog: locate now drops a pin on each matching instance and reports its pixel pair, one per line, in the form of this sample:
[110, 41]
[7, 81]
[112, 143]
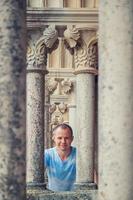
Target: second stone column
[85, 128]
[85, 60]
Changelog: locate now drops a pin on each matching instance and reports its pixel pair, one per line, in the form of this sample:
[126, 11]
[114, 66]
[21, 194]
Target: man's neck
[63, 154]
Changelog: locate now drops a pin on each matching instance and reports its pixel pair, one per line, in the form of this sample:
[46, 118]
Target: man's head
[63, 137]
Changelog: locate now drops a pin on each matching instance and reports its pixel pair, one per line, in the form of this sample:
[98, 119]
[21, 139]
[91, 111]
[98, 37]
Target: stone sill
[38, 17]
[75, 195]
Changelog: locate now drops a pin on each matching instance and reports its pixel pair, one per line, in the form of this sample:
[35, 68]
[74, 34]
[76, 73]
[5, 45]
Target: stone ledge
[38, 18]
[75, 195]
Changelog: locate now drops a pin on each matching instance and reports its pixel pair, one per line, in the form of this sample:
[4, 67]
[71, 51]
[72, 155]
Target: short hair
[63, 126]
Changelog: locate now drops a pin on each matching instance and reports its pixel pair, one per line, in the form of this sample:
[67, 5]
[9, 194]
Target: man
[60, 161]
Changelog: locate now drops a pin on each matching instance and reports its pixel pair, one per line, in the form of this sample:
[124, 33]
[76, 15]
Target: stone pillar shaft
[12, 99]
[116, 100]
[72, 121]
[85, 127]
[35, 128]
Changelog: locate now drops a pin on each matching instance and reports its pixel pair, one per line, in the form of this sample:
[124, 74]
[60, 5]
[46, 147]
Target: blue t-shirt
[61, 173]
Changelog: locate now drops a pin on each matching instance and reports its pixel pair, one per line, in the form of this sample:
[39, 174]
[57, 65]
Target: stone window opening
[59, 87]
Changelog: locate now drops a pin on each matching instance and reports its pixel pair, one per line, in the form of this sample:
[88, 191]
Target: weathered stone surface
[12, 99]
[85, 128]
[116, 100]
[35, 128]
[48, 195]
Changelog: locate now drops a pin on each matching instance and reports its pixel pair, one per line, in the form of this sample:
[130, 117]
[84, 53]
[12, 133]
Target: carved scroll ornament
[37, 55]
[93, 54]
[71, 36]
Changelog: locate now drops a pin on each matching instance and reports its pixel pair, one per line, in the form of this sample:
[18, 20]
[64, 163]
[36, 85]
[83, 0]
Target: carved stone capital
[85, 56]
[37, 55]
[85, 62]
[86, 59]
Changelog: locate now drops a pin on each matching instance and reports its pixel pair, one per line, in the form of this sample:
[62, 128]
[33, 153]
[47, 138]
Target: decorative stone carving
[64, 86]
[57, 110]
[71, 36]
[56, 119]
[51, 85]
[58, 88]
[86, 59]
[62, 107]
[52, 108]
[93, 55]
[50, 35]
[80, 58]
[40, 52]
[37, 55]
[30, 56]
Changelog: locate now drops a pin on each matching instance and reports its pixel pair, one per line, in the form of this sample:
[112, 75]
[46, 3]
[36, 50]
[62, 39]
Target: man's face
[62, 139]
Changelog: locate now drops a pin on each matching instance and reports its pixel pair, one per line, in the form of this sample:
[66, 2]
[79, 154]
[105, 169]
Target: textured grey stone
[49, 195]
[85, 127]
[12, 99]
[35, 128]
[116, 100]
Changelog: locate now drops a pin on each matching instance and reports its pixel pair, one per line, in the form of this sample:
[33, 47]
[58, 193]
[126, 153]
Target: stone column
[12, 99]
[35, 126]
[116, 100]
[85, 71]
[36, 70]
[85, 128]
[72, 120]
